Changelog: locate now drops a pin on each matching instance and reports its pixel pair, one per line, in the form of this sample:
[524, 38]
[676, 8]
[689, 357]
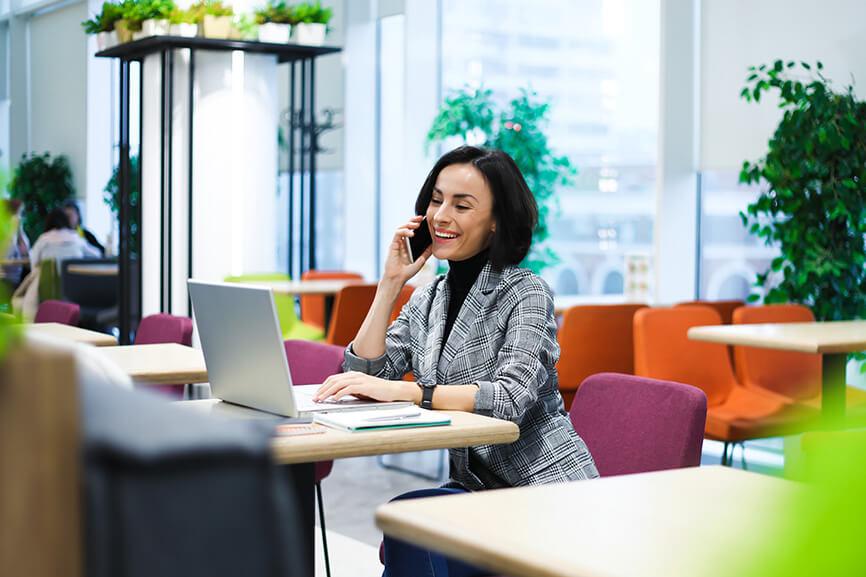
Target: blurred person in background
[70, 207]
[60, 241]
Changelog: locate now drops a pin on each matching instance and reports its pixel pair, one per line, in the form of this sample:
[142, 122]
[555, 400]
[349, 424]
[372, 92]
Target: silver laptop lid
[243, 348]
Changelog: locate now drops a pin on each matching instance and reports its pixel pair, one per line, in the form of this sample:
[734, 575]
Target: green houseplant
[112, 198]
[102, 24]
[148, 17]
[310, 23]
[183, 22]
[216, 18]
[41, 183]
[274, 20]
[813, 206]
[472, 117]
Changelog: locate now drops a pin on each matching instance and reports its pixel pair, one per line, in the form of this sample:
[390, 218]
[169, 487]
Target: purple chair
[311, 363]
[163, 328]
[636, 425]
[58, 312]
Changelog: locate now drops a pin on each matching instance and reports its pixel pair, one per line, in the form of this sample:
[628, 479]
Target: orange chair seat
[752, 414]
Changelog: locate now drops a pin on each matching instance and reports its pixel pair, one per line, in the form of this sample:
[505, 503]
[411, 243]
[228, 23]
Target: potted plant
[244, 27]
[813, 206]
[102, 25]
[154, 15]
[111, 197]
[274, 21]
[470, 117]
[310, 23]
[130, 21]
[183, 23]
[216, 18]
[41, 183]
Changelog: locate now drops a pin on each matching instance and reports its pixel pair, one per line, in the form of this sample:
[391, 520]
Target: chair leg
[322, 525]
[743, 456]
[725, 455]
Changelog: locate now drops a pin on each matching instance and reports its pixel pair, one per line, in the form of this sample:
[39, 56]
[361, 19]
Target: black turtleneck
[461, 276]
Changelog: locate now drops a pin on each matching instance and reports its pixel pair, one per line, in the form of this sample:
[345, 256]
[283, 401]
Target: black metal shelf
[302, 136]
[138, 49]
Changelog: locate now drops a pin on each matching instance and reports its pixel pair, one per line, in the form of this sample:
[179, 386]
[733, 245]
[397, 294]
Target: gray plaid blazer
[503, 340]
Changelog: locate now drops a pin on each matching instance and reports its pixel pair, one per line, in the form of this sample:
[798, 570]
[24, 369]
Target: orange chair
[734, 413]
[313, 306]
[796, 376]
[350, 309]
[724, 308]
[594, 339]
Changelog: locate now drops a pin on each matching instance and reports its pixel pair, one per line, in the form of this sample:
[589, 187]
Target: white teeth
[443, 235]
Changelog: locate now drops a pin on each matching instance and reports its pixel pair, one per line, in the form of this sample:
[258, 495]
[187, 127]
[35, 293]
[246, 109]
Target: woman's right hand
[398, 265]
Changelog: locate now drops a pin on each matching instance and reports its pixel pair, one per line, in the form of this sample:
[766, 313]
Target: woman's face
[460, 214]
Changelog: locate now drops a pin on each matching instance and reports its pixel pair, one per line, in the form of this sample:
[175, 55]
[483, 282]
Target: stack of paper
[378, 419]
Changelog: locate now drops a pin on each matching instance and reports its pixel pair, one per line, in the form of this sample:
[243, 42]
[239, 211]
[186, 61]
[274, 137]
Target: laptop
[245, 357]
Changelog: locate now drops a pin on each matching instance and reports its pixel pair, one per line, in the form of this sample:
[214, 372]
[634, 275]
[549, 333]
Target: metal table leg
[833, 386]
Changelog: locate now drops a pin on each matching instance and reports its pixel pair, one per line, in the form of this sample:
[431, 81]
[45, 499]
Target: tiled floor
[357, 486]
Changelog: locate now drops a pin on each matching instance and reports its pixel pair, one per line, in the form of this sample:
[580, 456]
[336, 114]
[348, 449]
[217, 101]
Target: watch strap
[427, 396]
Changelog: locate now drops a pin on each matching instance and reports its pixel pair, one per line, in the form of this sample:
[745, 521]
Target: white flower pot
[138, 35]
[102, 41]
[274, 32]
[217, 26]
[154, 27]
[183, 29]
[309, 34]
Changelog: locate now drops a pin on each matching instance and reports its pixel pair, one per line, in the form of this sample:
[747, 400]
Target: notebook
[379, 419]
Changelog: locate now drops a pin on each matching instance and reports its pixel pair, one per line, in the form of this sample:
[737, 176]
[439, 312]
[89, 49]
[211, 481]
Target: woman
[60, 241]
[73, 213]
[481, 338]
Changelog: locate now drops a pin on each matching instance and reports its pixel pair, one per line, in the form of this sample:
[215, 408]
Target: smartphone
[416, 245]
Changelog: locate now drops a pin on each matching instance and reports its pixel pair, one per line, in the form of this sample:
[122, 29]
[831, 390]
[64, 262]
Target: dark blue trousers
[405, 560]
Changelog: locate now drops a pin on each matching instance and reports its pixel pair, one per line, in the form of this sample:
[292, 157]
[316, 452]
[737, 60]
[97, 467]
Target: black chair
[97, 295]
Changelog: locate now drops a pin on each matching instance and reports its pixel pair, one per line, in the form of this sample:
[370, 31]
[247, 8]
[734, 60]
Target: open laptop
[245, 357]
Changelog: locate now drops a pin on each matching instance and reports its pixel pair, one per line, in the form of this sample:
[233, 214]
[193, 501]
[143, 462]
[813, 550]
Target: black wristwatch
[427, 395]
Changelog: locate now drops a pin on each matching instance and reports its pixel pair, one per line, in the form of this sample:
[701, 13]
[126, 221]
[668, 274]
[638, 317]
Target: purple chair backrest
[635, 424]
[311, 362]
[163, 328]
[58, 312]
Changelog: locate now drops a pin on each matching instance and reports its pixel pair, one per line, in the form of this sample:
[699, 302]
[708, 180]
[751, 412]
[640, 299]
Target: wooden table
[673, 524]
[327, 288]
[301, 452]
[324, 287]
[833, 340]
[14, 261]
[466, 429]
[94, 269]
[160, 364]
[71, 333]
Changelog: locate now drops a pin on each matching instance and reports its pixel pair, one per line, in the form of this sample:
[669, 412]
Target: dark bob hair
[514, 207]
[57, 220]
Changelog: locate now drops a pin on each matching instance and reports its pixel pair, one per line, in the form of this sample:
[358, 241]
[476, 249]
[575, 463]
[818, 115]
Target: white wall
[737, 34]
[58, 54]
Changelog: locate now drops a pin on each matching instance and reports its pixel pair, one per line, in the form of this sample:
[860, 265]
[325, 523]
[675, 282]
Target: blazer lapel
[435, 328]
[470, 319]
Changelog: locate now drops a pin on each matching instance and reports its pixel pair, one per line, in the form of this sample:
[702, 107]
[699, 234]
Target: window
[597, 64]
[730, 257]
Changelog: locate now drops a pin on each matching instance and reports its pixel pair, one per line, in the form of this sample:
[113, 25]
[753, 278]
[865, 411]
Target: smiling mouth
[441, 235]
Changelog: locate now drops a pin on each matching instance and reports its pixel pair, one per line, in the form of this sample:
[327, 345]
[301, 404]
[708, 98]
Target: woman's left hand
[363, 386]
